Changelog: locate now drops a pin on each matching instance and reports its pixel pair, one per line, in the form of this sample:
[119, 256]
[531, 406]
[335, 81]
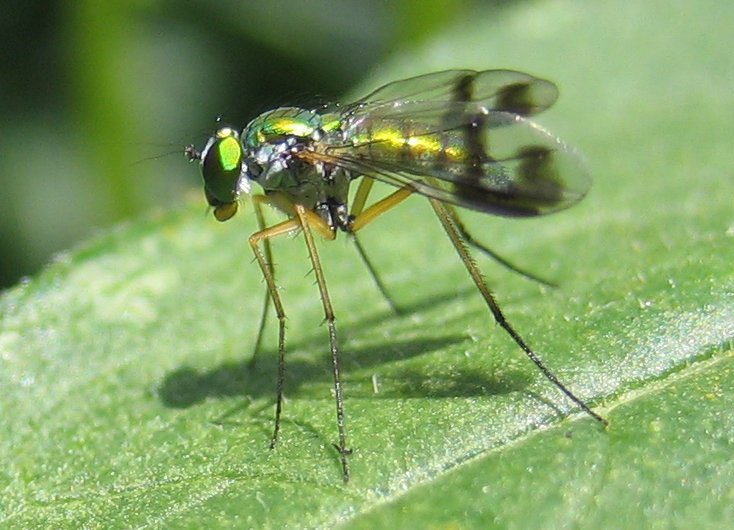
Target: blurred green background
[93, 93]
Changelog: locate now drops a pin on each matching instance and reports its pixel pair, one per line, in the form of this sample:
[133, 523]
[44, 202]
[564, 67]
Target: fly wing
[462, 153]
[499, 90]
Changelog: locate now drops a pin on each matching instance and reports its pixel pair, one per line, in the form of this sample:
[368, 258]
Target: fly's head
[269, 151]
[223, 171]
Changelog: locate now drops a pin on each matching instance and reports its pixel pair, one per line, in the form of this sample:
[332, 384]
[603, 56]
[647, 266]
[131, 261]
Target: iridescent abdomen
[408, 142]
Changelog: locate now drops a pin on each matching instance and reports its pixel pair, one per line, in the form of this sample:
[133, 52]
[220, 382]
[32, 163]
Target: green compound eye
[221, 169]
[230, 153]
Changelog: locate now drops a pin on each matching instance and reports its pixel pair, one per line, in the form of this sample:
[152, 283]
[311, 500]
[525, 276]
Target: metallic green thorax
[275, 147]
[276, 125]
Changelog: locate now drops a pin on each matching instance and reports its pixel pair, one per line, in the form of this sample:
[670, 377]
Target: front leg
[265, 235]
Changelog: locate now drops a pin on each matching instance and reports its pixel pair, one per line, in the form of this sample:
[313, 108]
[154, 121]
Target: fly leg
[266, 267]
[469, 239]
[361, 217]
[308, 219]
[257, 201]
[455, 236]
[305, 220]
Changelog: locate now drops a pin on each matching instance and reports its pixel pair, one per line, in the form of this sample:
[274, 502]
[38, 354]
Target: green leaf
[127, 401]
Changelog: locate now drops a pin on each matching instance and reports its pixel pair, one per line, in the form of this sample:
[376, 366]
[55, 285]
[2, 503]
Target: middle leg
[307, 219]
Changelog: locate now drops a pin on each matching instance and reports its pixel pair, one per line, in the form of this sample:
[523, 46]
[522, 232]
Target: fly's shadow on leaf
[186, 387]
